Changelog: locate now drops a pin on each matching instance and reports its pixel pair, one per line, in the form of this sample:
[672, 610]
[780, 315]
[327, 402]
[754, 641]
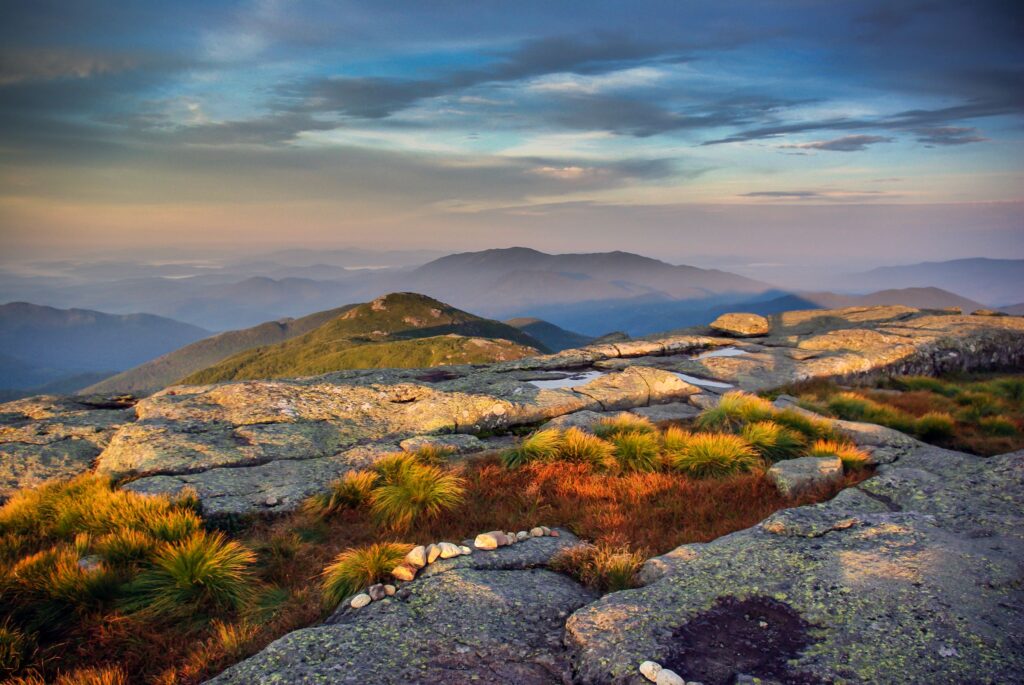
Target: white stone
[433, 552]
[465, 550]
[547, 531]
[403, 572]
[390, 590]
[522, 535]
[491, 540]
[417, 557]
[650, 670]
[448, 550]
[667, 677]
[360, 600]
[537, 532]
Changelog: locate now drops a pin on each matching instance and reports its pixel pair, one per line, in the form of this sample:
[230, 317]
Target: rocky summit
[263, 446]
[911, 576]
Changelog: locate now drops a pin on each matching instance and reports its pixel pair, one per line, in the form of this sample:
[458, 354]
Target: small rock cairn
[423, 555]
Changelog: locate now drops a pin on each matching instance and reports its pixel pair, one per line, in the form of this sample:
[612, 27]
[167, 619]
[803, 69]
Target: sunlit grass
[853, 457]
[714, 455]
[359, 567]
[624, 422]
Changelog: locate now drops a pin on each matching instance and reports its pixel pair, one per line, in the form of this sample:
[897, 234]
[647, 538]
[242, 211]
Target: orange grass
[649, 512]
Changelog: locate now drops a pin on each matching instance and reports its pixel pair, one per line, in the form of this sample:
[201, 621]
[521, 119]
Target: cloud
[948, 135]
[908, 120]
[27, 66]
[827, 195]
[853, 143]
[378, 97]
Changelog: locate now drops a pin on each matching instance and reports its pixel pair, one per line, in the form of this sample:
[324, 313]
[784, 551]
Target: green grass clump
[14, 645]
[410, 490]
[351, 491]
[580, 446]
[999, 426]
[773, 441]
[435, 455]
[852, 407]
[623, 423]
[853, 457]
[977, 405]
[911, 383]
[735, 409]
[205, 573]
[126, 548]
[811, 427]
[674, 441]
[1010, 389]
[359, 567]
[935, 426]
[602, 567]
[636, 450]
[713, 455]
[544, 445]
[45, 588]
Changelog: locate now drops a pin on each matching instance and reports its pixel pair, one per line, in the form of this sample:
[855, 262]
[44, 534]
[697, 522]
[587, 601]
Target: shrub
[351, 491]
[715, 455]
[772, 441]
[935, 426]
[636, 451]
[358, 567]
[999, 426]
[414, 491]
[735, 409]
[203, 573]
[602, 567]
[543, 445]
[126, 548]
[853, 457]
[623, 423]
[579, 446]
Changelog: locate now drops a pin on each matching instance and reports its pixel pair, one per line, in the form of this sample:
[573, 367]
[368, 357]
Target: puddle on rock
[729, 351]
[703, 382]
[569, 381]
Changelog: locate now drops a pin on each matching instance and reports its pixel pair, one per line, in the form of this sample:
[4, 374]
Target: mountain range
[44, 345]
[588, 293]
[995, 282]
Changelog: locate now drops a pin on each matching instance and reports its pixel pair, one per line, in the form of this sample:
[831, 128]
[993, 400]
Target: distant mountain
[398, 330]
[42, 345]
[173, 366]
[992, 281]
[591, 293]
[922, 298]
[553, 337]
[1014, 309]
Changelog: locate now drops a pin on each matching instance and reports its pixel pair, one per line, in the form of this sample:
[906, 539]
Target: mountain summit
[400, 330]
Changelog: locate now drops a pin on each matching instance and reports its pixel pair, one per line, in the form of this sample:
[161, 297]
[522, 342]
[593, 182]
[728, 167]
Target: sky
[732, 133]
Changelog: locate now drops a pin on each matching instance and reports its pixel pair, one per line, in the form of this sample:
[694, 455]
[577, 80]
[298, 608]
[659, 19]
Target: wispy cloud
[853, 143]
